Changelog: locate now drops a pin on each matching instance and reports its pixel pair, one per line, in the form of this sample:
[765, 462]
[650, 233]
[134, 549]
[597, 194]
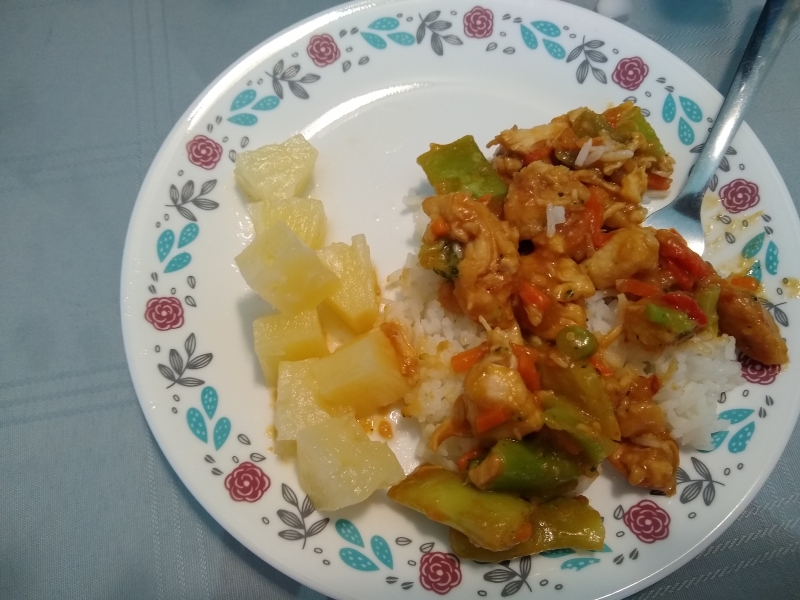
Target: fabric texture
[89, 90]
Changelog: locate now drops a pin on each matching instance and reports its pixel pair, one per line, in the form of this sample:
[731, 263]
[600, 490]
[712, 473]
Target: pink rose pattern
[439, 572]
[247, 483]
[204, 152]
[322, 49]
[164, 313]
[648, 521]
[739, 195]
[478, 22]
[756, 372]
[630, 73]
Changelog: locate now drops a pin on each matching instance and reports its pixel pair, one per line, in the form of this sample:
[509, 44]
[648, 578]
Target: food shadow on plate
[250, 307]
[422, 190]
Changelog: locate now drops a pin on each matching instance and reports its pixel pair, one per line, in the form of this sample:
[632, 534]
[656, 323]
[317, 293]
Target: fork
[772, 29]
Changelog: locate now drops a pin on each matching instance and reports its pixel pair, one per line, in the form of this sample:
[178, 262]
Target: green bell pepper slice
[707, 297]
[461, 167]
[676, 321]
[560, 415]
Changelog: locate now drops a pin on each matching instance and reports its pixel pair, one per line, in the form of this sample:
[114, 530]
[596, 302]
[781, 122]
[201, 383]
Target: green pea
[576, 342]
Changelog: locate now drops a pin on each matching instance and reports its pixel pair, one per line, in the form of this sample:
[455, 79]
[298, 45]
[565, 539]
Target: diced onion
[617, 155]
[555, 216]
[584, 152]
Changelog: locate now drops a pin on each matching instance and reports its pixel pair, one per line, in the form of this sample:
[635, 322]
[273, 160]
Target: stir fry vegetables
[521, 243]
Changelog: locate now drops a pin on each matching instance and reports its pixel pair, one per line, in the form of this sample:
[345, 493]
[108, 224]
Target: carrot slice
[463, 462]
[463, 361]
[531, 294]
[637, 288]
[491, 418]
[657, 182]
[526, 365]
[688, 305]
[537, 154]
[594, 208]
[745, 281]
[601, 366]
[439, 227]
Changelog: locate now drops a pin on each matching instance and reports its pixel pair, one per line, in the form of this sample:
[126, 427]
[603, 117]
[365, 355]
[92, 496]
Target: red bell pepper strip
[687, 304]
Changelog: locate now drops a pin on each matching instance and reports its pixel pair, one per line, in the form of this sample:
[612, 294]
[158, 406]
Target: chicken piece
[487, 271]
[649, 462]
[628, 252]
[637, 413]
[409, 363]
[506, 166]
[536, 186]
[639, 328]
[498, 405]
[561, 278]
[629, 215]
[745, 318]
[634, 185]
[523, 141]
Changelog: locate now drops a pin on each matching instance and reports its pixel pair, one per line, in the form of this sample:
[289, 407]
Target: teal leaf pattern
[554, 49]
[691, 110]
[384, 24]
[381, 550]
[739, 441]
[209, 399]
[547, 28]
[267, 103]
[221, 431]
[188, 234]
[197, 424]
[373, 40]
[164, 244]
[356, 560]
[349, 532]
[529, 37]
[753, 247]
[557, 553]
[243, 99]
[685, 132]
[716, 440]
[178, 262]
[772, 258]
[736, 415]
[245, 119]
[402, 38]
[576, 564]
[669, 109]
[755, 271]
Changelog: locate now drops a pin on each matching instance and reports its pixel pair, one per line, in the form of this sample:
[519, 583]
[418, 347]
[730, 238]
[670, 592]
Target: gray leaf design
[278, 68]
[232, 155]
[363, 60]
[436, 44]
[599, 74]
[278, 88]
[682, 476]
[701, 468]
[421, 32]
[166, 372]
[291, 519]
[619, 512]
[511, 588]
[307, 508]
[708, 494]
[257, 457]
[173, 194]
[186, 213]
[596, 56]
[508, 50]
[208, 186]
[205, 204]
[190, 381]
[190, 345]
[288, 494]
[432, 16]
[453, 40]
[690, 492]
[176, 361]
[290, 72]
[298, 90]
[346, 65]
[576, 52]
[491, 46]
[198, 362]
[243, 439]
[583, 71]
[525, 566]
[724, 164]
[714, 182]
[310, 78]
[317, 527]
[499, 576]
[440, 26]
[187, 191]
[595, 44]
[781, 317]
[291, 535]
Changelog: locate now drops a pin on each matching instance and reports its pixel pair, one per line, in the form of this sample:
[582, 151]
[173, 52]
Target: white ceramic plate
[371, 84]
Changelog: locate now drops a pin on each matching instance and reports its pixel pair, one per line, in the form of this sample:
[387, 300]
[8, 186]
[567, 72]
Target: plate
[371, 84]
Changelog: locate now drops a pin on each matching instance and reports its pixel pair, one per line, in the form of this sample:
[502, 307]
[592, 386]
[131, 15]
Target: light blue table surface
[89, 507]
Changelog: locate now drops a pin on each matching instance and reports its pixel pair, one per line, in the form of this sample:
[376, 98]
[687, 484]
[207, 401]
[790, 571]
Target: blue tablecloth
[89, 508]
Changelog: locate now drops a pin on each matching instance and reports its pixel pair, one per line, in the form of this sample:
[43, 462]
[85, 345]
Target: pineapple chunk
[338, 465]
[297, 405]
[356, 300]
[304, 216]
[284, 271]
[360, 376]
[276, 171]
[287, 337]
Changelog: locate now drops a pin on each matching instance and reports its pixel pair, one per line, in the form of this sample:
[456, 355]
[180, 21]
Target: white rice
[693, 374]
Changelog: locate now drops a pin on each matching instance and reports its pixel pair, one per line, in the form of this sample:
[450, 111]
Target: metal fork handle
[771, 30]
